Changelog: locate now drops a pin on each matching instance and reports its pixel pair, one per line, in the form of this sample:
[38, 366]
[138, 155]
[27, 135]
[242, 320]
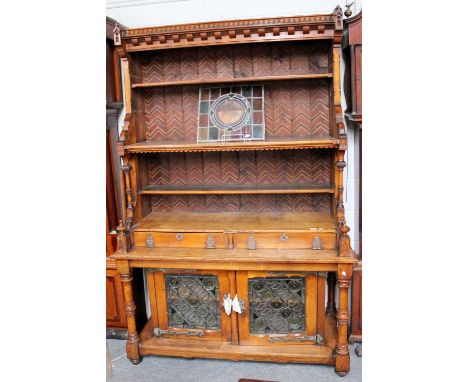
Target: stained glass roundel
[230, 111]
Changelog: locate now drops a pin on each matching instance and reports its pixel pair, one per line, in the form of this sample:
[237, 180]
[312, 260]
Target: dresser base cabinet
[285, 316]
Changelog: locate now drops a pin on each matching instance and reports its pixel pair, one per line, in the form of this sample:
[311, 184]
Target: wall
[141, 13]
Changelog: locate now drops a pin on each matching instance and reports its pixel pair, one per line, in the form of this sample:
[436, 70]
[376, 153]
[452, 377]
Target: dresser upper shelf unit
[273, 144]
[232, 80]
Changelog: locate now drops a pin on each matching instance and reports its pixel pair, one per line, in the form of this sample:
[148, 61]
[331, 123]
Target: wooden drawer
[179, 239]
[286, 240]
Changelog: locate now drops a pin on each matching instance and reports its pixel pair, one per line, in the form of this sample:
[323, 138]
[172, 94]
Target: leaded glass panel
[277, 305]
[231, 113]
[192, 301]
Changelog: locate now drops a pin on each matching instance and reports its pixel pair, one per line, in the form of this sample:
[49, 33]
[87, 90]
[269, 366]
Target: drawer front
[286, 240]
[180, 240]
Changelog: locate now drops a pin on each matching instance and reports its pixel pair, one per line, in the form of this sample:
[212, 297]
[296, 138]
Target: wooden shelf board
[271, 144]
[237, 189]
[271, 259]
[237, 221]
[231, 80]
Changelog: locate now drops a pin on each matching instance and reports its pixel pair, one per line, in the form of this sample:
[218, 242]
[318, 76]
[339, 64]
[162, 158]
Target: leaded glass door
[281, 308]
[189, 305]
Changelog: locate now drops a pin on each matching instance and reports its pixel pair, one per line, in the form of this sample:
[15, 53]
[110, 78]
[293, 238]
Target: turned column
[133, 340]
[342, 349]
[331, 283]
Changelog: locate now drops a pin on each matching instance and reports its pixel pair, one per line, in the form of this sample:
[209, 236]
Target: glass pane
[192, 301]
[277, 305]
[231, 113]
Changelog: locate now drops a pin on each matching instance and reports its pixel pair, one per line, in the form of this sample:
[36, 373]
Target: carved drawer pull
[149, 241]
[284, 237]
[317, 243]
[179, 236]
[251, 242]
[210, 242]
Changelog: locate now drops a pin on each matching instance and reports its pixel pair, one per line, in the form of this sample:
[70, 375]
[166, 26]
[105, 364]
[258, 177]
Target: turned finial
[117, 37]
[345, 244]
[120, 227]
[338, 18]
[344, 229]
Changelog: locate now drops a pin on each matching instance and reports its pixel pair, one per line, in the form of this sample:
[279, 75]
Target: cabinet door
[189, 304]
[281, 308]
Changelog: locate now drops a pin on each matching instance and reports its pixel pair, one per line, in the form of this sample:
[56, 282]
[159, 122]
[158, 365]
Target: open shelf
[237, 189]
[270, 144]
[231, 80]
[301, 353]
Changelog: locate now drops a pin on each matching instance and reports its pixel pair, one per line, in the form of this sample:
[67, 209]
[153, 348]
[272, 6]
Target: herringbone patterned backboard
[241, 203]
[233, 61]
[240, 168]
[292, 109]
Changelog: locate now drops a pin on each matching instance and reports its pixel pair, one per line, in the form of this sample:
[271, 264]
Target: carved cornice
[234, 31]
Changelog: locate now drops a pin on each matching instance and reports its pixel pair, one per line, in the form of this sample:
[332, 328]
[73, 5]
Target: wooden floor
[236, 221]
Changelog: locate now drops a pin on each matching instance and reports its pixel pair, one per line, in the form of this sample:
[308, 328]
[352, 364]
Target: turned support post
[133, 340]
[342, 350]
[331, 283]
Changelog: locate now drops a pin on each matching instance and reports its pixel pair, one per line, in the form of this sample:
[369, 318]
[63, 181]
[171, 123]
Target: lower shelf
[227, 350]
[177, 347]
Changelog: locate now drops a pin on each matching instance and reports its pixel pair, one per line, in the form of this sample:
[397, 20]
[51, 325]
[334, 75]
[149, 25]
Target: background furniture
[352, 48]
[259, 222]
[116, 321]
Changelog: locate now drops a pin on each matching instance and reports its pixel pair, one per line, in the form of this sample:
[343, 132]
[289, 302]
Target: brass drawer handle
[317, 243]
[251, 243]
[210, 242]
[149, 241]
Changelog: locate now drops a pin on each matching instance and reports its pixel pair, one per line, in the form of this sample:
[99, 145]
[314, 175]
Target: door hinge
[318, 339]
[190, 333]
